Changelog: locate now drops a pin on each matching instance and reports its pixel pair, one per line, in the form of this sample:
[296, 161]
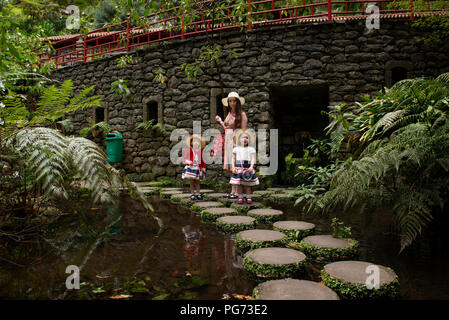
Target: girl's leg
[197, 186]
[192, 186]
[248, 194]
[239, 192]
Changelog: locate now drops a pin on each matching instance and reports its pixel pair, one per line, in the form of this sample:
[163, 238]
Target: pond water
[192, 260]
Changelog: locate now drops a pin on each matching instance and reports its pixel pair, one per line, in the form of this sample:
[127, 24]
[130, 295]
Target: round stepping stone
[215, 195]
[293, 289]
[201, 205]
[258, 238]
[245, 207]
[263, 193]
[360, 280]
[281, 197]
[171, 189]
[274, 263]
[234, 224]
[177, 197]
[184, 199]
[209, 214]
[326, 247]
[295, 230]
[168, 194]
[266, 215]
[277, 189]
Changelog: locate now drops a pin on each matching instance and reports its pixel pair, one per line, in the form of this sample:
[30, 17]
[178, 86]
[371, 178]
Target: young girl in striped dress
[243, 161]
[195, 167]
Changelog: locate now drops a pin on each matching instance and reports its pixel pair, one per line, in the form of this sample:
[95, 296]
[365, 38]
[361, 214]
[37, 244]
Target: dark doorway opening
[398, 74]
[298, 116]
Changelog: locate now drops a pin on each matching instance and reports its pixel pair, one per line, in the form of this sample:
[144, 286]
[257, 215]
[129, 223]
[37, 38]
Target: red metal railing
[175, 23]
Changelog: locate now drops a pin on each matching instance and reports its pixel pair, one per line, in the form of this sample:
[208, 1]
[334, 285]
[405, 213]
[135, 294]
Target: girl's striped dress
[193, 171]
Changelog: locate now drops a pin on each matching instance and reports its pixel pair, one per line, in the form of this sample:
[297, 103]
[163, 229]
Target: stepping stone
[293, 289]
[326, 247]
[281, 197]
[263, 193]
[212, 214]
[168, 194]
[215, 195]
[245, 207]
[274, 263]
[177, 197]
[234, 224]
[201, 205]
[171, 189]
[206, 191]
[277, 189]
[258, 238]
[266, 215]
[295, 230]
[149, 190]
[349, 279]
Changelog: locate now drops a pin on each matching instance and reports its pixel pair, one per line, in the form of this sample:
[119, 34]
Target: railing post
[329, 10]
[85, 48]
[182, 24]
[250, 25]
[127, 32]
[412, 13]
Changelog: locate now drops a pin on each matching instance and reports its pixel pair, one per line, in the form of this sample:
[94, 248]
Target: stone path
[264, 248]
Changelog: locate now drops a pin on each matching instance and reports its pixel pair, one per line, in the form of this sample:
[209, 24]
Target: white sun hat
[233, 94]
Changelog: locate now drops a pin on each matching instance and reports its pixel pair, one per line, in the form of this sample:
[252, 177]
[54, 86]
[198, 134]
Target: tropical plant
[95, 129]
[149, 125]
[402, 161]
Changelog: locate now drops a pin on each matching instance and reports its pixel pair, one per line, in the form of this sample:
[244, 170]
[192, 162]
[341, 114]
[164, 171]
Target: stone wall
[343, 58]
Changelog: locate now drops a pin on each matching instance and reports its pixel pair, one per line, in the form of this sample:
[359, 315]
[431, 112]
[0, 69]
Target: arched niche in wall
[396, 71]
[152, 109]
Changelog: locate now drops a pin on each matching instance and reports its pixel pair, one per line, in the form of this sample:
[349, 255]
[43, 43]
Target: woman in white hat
[236, 119]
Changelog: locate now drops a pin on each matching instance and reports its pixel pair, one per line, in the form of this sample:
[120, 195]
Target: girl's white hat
[233, 94]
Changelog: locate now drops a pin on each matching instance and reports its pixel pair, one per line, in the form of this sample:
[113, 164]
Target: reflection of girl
[236, 119]
[194, 242]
